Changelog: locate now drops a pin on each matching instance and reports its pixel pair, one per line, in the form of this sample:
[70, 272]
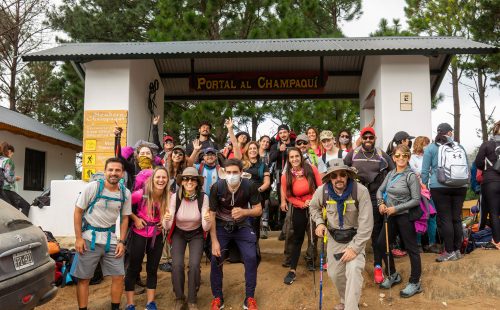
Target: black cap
[402, 135]
[283, 126]
[444, 128]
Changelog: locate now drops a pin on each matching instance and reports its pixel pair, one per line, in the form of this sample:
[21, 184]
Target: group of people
[329, 188]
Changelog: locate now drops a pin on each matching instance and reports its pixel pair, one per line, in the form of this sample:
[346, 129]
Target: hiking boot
[217, 304]
[378, 275]
[339, 307]
[166, 267]
[445, 256]
[286, 264]
[250, 304]
[151, 306]
[434, 248]
[179, 304]
[281, 236]
[410, 290]
[192, 307]
[290, 277]
[458, 254]
[420, 249]
[130, 307]
[264, 232]
[310, 265]
[398, 253]
[390, 281]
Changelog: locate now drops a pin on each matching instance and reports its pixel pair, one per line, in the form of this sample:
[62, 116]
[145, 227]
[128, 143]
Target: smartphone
[338, 256]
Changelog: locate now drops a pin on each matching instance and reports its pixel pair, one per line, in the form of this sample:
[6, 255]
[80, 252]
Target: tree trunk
[482, 103]
[456, 102]
[255, 124]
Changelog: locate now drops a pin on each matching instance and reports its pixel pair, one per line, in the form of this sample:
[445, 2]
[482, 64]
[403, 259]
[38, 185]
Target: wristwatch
[122, 241]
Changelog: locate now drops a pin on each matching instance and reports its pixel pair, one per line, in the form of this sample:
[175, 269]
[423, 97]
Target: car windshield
[14, 224]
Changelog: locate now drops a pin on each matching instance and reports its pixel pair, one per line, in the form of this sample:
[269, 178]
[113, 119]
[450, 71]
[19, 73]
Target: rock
[445, 304]
[365, 304]
[382, 295]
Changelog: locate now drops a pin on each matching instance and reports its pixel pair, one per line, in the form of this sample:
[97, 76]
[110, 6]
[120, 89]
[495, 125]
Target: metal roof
[20, 123]
[342, 59]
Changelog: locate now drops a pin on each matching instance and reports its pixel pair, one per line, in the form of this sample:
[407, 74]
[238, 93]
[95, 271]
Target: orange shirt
[300, 189]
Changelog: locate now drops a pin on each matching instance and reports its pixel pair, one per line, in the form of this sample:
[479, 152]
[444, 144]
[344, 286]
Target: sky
[373, 11]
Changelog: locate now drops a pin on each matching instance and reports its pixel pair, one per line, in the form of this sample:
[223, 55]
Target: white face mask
[343, 140]
[233, 179]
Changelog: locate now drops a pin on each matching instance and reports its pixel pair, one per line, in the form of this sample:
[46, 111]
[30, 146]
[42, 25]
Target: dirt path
[471, 283]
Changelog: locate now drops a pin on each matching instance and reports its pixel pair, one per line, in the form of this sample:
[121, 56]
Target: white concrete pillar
[389, 76]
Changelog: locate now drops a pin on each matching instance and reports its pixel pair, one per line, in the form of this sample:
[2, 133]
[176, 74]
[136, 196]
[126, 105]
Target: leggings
[449, 203]
[139, 246]
[491, 198]
[299, 223]
[401, 223]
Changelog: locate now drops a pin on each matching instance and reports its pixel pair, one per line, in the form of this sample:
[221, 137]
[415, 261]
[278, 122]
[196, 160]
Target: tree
[22, 32]
[442, 18]
[385, 30]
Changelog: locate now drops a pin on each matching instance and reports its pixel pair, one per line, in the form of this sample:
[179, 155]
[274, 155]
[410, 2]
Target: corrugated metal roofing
[24, 122]
[271, 47]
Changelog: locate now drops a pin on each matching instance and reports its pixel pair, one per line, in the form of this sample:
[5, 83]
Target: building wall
[59, 161]
[389, 76]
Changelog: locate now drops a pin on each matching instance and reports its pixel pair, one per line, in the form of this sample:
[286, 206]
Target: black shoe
[290, 277]
[286, 264]
[310, 265]
[166, 267]
[281, 236]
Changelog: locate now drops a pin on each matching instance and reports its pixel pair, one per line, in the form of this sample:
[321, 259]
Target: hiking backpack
[452, 168]
[496, 165]
[178, 202]
[354, 195]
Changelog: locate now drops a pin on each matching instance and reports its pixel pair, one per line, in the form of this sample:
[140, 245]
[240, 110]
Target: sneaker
[179, 304]
[410, 290]
[263, 233]
[310, 265]
[281, 236]
[192, 307]
[378, 275]
[398, 253]
[130, 307]
[250, 304]
[151, 306]
[420, 249]
[458, 254]
[286, 264]
[290, 277]
[390, 281]
[445, 256]
[434, 248]
[166, 267]
[217, 304]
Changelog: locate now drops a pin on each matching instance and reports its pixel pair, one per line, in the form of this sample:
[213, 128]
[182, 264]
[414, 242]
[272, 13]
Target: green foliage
[385, 30]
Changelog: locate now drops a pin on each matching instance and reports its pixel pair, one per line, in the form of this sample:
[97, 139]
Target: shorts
[83, 266]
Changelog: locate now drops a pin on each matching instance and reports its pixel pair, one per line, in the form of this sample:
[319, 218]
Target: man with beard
[278, 155]
[204, 138]
[348, 222]
[372, 165]
[99, 206]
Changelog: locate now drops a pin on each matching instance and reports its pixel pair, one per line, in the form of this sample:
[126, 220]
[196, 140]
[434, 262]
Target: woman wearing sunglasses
[146, 235]
[298, 184]
[398, 199]
[177, 163]
[188, 219]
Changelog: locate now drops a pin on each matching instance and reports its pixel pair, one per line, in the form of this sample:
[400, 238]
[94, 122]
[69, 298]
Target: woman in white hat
[188, 219]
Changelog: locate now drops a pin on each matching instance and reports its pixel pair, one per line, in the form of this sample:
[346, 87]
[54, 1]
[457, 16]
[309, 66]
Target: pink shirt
[142, 212]
[188, 216]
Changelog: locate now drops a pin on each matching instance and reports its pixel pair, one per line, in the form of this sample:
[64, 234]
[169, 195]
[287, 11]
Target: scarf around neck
[340, 200]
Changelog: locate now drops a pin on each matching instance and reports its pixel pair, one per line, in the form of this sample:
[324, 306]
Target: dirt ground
[470, 283]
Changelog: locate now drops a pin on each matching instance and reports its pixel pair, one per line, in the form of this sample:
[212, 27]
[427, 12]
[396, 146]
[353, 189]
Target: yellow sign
[99, 138]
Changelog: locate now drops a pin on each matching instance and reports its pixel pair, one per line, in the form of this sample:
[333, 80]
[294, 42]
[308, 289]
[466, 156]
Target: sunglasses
[301, 143]
[404, 155]
[192, 179]
[345, 136]
[368, 138]
[341, 174]
[178, 153]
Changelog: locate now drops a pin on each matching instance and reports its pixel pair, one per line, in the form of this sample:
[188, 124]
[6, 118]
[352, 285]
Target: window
[34, 170]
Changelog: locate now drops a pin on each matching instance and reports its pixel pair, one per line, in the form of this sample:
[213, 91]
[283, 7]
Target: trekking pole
[321, 263]
[387, 253]
[313, 258]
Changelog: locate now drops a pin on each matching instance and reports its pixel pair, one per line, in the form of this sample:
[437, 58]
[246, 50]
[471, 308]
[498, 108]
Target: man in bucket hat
[348, 225]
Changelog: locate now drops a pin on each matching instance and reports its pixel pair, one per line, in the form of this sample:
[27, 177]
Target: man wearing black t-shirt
[229, 210]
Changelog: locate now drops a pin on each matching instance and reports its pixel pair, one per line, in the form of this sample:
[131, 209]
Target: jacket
[404, 193]
[487, 151]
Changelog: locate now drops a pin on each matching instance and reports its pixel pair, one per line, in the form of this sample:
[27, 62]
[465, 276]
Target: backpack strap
[201, 167]
[323, 158]
[97, 196]
[354, 194]
[261, 171]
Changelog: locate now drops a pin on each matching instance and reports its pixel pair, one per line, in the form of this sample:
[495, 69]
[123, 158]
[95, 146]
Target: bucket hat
[190, 172]
[337, 164]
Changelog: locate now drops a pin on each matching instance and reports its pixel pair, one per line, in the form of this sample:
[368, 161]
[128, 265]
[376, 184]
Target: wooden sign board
[99, 139]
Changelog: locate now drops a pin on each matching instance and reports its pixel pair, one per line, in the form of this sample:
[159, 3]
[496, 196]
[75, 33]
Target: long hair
[246, 158]
[349, 145]
[308, 173]
[441, 138]
[265, 136]
[496, 128]
[317, 141]
[172, 172]
[420, 142]
[149, 191]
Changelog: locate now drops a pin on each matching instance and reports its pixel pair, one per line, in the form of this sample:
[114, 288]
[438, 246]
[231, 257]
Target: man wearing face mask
[204, 138]
[372, 165]
[230, 214]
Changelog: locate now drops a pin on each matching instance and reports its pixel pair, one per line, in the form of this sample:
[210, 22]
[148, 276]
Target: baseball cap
[367, 129]
[168, 138]
[402, 135]
[325, 134]
[302, 137]
[209, 150]
[444, 128]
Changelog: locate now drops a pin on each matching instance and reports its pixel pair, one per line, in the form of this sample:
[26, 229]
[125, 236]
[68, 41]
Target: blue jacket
[430, 165]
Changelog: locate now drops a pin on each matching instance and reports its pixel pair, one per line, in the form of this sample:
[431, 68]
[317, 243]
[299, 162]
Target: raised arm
[236, 149]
